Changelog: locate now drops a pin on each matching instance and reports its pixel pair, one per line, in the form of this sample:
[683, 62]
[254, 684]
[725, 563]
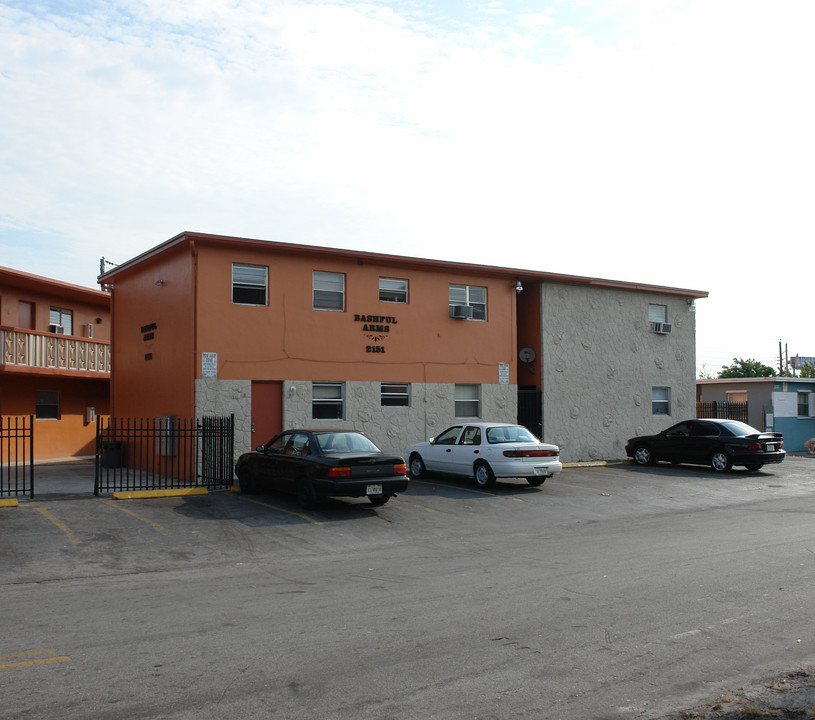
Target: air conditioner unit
[58, 329]
[461, 312]
[661, 328]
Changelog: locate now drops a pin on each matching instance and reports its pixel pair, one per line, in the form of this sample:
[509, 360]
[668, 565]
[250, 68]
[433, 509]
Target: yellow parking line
[31, 663]
[158, 527]
[61, 525]
[283, 510]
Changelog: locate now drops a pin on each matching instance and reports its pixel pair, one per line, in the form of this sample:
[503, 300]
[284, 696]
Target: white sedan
[486, 451]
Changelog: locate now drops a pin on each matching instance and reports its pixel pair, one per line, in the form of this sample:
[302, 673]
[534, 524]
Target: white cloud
[668, 143]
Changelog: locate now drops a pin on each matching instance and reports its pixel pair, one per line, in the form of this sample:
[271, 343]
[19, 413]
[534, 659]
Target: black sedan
[718, 443]
[313, 464]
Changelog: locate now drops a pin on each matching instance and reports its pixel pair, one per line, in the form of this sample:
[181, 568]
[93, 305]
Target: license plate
[770, 447]
[540, 471]
[374, 490]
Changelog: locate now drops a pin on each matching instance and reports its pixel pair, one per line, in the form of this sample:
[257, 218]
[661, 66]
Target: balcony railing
[31, 349]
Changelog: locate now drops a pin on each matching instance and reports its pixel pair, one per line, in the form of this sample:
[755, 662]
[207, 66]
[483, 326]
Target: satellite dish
[527, 355]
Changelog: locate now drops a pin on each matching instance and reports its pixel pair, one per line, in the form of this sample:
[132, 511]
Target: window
[47, 405]
[249, 284]
[658, 313]
[329, 291]
[660, 401]
[803, 404]
[468, 401]
[395, 394]
[469, 296]
[391, 290]
[327, 401]
[61, 320]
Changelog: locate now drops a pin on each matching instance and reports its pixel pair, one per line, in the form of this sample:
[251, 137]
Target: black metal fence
[725, 410]
[163, 453]
[17, 456]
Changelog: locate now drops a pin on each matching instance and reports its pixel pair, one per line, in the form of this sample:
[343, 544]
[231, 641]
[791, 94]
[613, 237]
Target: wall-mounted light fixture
[159, 283]
[518, 287]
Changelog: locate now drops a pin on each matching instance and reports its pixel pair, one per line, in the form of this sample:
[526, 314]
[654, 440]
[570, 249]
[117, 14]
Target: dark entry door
[267, 411]
[530, 410]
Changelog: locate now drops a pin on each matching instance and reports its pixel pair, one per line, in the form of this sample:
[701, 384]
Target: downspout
[194, 256]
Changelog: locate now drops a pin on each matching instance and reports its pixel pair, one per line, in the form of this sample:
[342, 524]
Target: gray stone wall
[224, 397]
[599, 361]
[394, 429]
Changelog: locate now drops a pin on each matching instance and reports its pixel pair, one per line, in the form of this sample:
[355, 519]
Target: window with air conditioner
[61, 321]
[468, 302]
[658, 319]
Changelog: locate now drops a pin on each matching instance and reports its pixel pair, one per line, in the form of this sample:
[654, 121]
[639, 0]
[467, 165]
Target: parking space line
[470, 490]
[31, 663]
[61, 525]
[156, 526]
[283, 510]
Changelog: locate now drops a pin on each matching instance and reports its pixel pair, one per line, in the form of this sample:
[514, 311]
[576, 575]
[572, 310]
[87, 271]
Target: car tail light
[339, 472]
[754, 446]
[781, 445]
[400, 469]
[530, 453]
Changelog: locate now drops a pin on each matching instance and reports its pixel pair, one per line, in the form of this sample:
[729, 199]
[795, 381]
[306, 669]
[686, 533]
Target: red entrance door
[267, 411]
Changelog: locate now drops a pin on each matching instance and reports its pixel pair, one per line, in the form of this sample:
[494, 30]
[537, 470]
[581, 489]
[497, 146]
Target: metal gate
[163, 453]
[17, 456]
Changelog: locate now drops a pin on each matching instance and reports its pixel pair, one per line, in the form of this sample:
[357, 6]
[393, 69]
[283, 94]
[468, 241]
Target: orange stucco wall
[289, 340]
[153, 358]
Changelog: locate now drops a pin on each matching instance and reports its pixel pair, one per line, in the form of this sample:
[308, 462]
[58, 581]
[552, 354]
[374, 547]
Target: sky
[669, 142]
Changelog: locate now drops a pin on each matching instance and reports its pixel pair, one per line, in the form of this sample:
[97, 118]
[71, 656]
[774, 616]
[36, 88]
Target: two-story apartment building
[54, 360]
[285, 335]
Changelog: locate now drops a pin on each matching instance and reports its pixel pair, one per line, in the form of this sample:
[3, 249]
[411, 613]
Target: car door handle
[448, 450]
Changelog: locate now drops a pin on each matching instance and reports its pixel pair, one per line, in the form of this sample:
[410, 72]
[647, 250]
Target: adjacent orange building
[55, 361]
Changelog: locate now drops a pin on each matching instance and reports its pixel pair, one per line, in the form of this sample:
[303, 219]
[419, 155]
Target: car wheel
[484, 476]
[246, 483]
[642, 456]
[752, 467]
[720, 461]
[379, 500]
[417, 468]
[536, 481]
[307, 496]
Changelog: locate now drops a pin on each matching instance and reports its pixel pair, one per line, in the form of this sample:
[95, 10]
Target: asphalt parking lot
[612, 591]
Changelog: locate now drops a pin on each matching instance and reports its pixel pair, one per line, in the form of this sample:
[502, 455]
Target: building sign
[209, 365]
[503, 373]
[375, 329]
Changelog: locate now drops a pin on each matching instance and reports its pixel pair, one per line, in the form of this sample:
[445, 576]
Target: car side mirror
[259, 448]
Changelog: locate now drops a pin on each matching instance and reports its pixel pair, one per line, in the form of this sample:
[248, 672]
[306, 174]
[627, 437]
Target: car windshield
[734, 427]
[509, 434]
[345, 442]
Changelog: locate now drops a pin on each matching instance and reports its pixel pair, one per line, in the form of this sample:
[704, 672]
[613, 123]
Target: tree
[746, 368]
[808, 370]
